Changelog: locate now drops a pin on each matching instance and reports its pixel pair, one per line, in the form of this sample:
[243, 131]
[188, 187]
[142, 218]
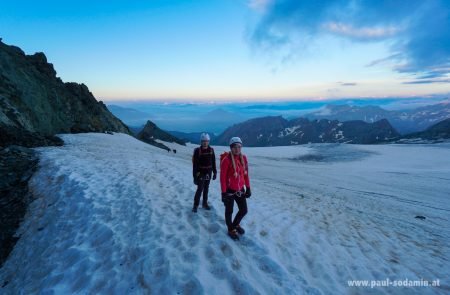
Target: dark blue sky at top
[239, 49]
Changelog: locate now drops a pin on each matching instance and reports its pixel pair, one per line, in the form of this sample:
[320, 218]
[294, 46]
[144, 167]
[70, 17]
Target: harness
[236, 193]
[243, 164]
[200, 153]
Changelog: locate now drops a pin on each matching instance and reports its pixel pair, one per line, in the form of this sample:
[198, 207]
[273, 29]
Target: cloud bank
[417, 30]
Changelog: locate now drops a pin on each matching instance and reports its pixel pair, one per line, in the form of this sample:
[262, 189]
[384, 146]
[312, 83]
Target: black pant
[202, 186]
[229, 203]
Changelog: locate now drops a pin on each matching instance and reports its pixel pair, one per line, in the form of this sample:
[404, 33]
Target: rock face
[35, 104]
[276, 131]
[18, 136]
[151, 132]
[17, 165]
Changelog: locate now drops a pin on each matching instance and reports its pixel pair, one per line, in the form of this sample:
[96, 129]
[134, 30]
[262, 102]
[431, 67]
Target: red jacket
[228, 178]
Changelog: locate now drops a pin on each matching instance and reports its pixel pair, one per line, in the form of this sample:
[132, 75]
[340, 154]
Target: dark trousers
[229, 203]
[202, 187]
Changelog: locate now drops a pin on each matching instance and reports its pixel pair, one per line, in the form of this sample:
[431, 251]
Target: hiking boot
[239, 229]
[194, 209]
[233, 234]
[206, 207]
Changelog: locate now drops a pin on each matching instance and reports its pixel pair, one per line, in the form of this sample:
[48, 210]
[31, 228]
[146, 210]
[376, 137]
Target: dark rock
[35, 104]
[16, 136]
[151, 132]
[255, 132]
[17, 165]
[136, 129]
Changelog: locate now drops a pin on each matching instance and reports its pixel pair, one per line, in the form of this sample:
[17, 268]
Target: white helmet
[204, 137]
[234, 140]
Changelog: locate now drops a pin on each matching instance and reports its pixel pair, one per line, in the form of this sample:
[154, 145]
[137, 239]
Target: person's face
[236, 149]
[205, 143]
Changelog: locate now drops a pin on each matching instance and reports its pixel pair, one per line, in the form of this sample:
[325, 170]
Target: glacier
[112, 215]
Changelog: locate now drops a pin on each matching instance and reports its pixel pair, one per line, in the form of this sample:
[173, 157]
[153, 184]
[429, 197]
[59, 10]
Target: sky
[246, 50]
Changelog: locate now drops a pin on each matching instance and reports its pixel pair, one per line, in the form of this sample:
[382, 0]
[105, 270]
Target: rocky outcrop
[277, 131]
[17, 165]
[35, 104]
[17, 136]
[151, 132]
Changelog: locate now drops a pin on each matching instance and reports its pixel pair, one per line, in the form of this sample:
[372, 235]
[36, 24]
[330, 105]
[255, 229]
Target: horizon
[427, 99]
[271, 51]
[192, 116]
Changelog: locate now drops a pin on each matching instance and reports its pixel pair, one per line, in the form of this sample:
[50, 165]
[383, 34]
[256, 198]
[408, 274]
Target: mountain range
[277, 131]
[184, 118]
[404, 121]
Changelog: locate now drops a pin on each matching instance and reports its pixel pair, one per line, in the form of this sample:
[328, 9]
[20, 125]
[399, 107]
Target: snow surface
[113, 216]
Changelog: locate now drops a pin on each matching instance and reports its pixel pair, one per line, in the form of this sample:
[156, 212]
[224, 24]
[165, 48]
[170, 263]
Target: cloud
[347, 83]
[364, 33]
[259, 5]
[427, 81]
[417, 30]
[384, 60]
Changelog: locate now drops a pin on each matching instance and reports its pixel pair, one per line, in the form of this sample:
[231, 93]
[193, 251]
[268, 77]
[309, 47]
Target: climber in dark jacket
[203, 167]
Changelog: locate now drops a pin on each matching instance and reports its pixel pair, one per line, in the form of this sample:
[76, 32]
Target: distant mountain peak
[150, 133]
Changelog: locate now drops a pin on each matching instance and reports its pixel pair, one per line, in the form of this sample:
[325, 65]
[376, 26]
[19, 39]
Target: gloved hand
[214, 176]
[196, 177]
[248, 193]
[224, 197]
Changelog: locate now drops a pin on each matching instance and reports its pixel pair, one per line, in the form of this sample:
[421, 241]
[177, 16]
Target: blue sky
[238, 49]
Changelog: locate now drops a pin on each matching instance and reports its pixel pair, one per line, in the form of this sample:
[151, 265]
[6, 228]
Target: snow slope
[112, 216]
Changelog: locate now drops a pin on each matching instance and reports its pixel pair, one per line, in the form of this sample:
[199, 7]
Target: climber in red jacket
[235, 186]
